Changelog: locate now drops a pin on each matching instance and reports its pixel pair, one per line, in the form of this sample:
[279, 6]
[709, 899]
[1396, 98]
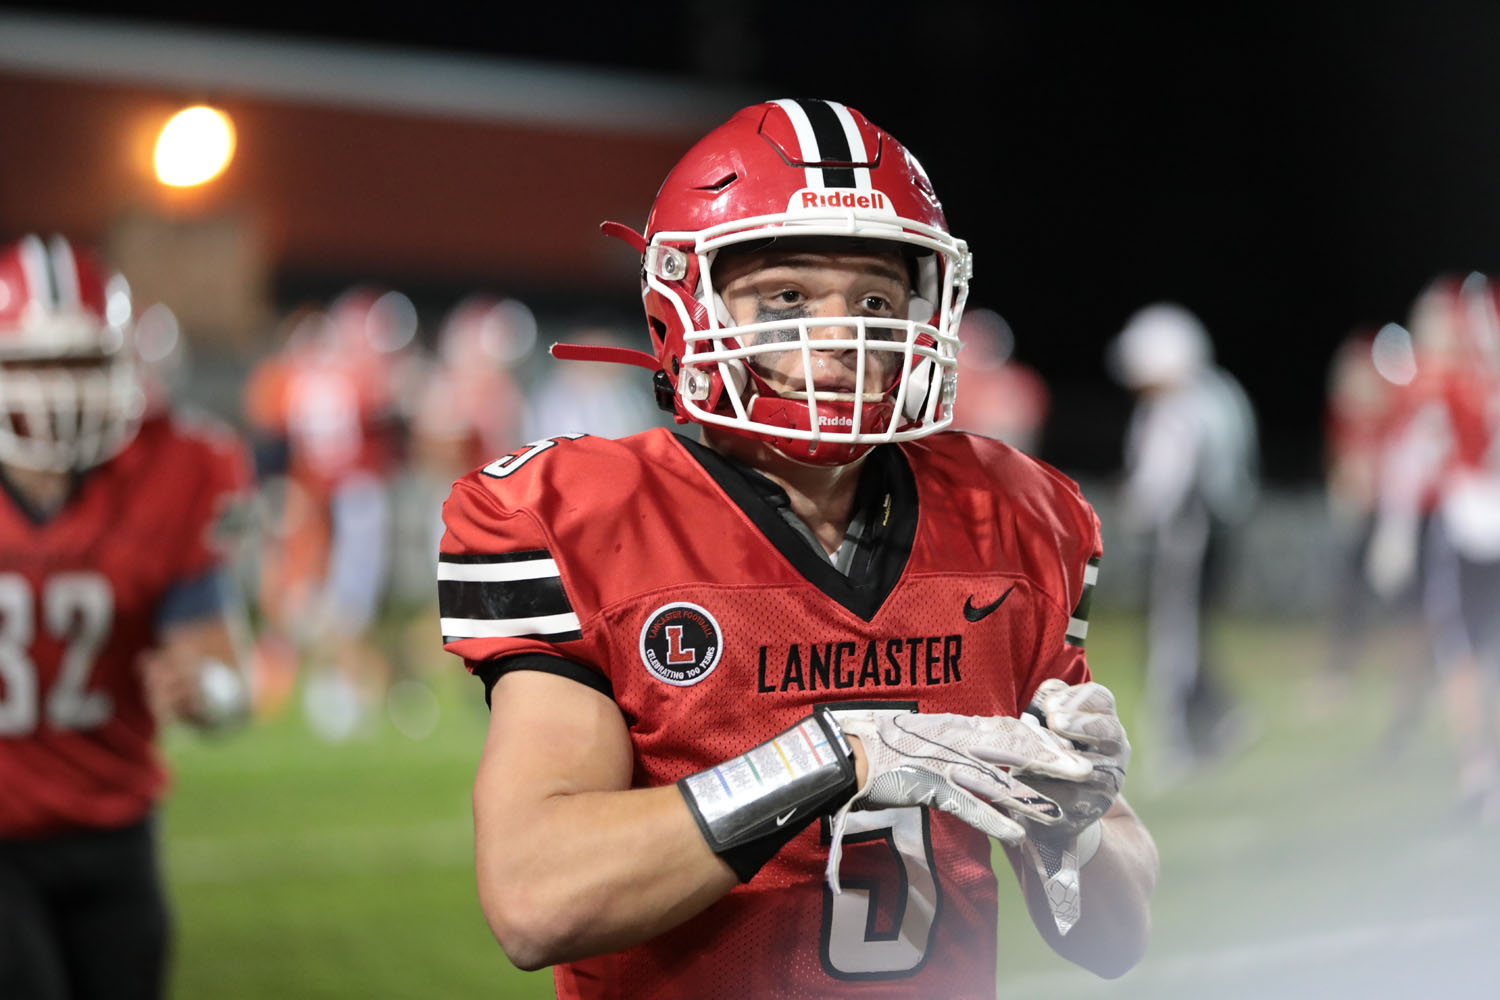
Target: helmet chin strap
[622, 232]
[602, 352]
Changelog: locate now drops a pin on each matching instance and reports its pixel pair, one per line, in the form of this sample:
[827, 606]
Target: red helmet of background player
[70, 391]
[801, 174]
[1455, 325]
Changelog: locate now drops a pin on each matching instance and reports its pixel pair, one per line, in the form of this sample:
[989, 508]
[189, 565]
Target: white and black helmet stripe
[51, 273]
[37, 270]
[64, 270]
[827, 133]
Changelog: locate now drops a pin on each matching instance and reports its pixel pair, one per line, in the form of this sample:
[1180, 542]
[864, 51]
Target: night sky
[1289, 173]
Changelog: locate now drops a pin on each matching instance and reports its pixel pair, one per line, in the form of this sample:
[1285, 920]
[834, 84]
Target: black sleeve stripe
[513, 599]
[1078, 624]
[514, 595]
[490, 671]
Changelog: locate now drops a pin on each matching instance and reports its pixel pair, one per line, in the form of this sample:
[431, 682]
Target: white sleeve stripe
[1090, 573]
[1078, 628]
[530, 569]
[502, 628]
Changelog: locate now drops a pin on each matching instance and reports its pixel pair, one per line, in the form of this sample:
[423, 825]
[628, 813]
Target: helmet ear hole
[658, 330]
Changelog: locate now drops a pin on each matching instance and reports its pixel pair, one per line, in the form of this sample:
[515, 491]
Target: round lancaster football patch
[681, 643]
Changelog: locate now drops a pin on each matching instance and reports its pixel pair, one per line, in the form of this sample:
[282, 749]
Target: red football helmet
[70, 390]
[800, 174]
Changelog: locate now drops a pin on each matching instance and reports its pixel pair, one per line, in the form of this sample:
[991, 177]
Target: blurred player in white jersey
[1191, 474]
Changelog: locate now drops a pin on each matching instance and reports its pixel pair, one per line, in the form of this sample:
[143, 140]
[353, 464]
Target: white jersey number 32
[77, 609]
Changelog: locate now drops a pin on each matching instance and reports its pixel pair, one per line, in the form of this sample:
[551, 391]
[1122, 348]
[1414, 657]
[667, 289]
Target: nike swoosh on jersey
[974, 614]
[781, 820]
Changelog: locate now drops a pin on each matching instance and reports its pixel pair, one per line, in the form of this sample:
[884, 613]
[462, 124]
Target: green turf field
[1312, 866]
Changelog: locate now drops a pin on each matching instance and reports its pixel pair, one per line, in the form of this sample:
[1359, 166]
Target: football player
[330, 402]
[112, 621]
[1438, 519]
[759, 700]
[1191, 476]
[1003, 398]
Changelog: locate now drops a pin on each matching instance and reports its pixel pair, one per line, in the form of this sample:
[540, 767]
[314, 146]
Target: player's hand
[958, 763]
[1085, 715]
[181, 684]
[171, 684]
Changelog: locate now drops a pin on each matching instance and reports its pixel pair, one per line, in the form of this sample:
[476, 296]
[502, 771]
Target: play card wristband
[751, 806]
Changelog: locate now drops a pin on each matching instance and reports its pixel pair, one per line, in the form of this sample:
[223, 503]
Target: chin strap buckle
[666, 399]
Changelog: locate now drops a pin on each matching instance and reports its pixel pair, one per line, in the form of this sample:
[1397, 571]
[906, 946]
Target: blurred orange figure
[328, 405]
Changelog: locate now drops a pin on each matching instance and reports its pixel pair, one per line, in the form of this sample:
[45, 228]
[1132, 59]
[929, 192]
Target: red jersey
[79, 597]
[1443, 431]
[662, 569]
[1357, 422]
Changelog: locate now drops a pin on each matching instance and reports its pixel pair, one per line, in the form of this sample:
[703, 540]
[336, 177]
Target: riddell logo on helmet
[811, 199]
[827, 421]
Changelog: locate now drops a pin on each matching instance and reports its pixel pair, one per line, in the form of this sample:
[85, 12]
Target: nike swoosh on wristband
[974, 614]
[781, 820]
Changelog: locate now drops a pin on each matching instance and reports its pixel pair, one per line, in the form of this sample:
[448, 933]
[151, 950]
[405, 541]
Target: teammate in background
[1444, 457]
[1365, 379]
[727, 675]
[1002, 398]
[331, 403]
[471, 407]
[113, 618]
[1191, 472]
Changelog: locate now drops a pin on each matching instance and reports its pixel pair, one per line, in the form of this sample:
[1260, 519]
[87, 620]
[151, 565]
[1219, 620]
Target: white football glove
[955, 763]
[1085, 715]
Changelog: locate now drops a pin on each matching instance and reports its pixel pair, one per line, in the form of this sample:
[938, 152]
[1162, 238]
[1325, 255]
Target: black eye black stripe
[833, 144]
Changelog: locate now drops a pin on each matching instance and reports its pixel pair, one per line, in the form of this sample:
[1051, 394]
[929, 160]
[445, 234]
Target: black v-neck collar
[887, 493]
[37, 515]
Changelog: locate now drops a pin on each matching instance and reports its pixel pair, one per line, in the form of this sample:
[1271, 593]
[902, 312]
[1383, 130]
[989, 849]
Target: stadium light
[194, 147]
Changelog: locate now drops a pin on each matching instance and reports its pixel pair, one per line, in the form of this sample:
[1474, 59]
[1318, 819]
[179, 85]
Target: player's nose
[831, 305]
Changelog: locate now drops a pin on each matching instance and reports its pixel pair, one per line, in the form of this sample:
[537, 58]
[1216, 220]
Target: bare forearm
[594, 872]
[1116, 887]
